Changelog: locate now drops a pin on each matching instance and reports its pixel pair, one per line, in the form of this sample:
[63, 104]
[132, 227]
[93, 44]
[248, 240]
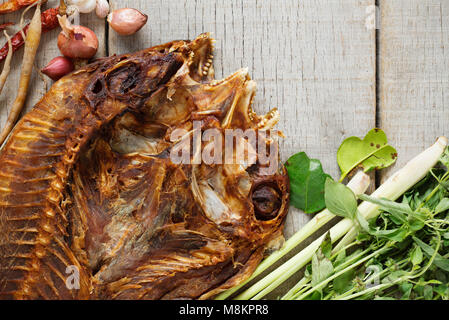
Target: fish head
[237, 179]
[235, 175]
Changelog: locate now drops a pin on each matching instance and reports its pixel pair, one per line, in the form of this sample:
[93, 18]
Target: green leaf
[307, 180]
[415, 224]
[321, 267]
[444, 159]
[363, 223]
[442, 290]
[441, 276]
[343, 282]
[340, 200]
[316, 295]
[373, 152]
[428, 292]
[416, 220]
[399, 210]
[397, 235]
[439, 261]
[326, 246]
[442, 206]
[341, 257]
[395, 275]
[416, 256]
[406, 288]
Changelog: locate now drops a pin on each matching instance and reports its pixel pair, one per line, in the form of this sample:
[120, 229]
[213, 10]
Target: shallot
[127, 21]
[58, 67]
[76, 41]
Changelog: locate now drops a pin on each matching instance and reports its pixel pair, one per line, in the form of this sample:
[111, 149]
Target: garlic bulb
[84, 6]
[102, 9]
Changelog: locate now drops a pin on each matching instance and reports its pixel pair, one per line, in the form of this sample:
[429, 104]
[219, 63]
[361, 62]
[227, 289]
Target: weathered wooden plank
[47, 50]
[314, 60]
[414, 59]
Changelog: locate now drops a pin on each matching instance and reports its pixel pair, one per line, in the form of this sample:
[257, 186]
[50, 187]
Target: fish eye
[267, 201]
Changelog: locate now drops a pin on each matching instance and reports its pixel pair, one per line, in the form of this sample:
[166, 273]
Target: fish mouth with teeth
[114, 206]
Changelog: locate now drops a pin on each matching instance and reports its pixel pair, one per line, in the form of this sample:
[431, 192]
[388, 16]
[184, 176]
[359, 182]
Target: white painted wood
[47, 50]
[414, 77]
[314, 60]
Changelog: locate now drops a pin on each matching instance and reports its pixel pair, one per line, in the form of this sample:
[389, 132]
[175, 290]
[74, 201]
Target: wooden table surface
[329, 68]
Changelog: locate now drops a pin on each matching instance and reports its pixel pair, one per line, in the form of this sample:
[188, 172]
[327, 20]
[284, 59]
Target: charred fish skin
[36, 163]
[86, 181]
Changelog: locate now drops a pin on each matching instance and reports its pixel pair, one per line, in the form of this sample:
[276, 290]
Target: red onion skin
[58, 67]
[84, 43]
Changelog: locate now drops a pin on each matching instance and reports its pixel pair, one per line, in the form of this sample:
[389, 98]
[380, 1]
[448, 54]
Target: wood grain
[413, 75]
[314, 60]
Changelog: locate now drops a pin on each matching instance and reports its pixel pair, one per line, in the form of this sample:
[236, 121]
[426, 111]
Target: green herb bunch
[403, 253]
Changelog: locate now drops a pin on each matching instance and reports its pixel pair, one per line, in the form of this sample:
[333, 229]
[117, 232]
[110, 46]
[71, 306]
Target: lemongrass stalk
[300, 292]
[294, 264]
[293, 291]
[415, 170]
[358, 184]
[391, 189]
[352, 233]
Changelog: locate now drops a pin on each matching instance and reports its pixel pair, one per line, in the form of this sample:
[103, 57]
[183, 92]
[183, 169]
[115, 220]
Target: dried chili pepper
[14, 5]
[49, 22]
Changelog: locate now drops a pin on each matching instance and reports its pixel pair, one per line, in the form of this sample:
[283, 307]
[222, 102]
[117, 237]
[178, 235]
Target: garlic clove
[58, 67]
[84, 6]
[127, 21]
[102, 9]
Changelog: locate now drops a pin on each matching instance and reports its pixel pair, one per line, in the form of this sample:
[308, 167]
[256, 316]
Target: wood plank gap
[378, 124]
[106, 35]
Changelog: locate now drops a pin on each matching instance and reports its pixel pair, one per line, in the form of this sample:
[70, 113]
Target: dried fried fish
[88, 184]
